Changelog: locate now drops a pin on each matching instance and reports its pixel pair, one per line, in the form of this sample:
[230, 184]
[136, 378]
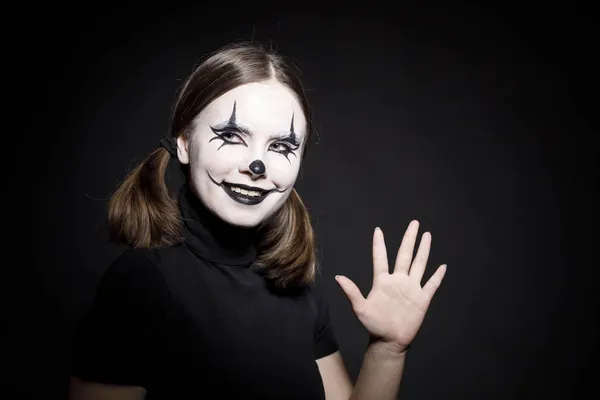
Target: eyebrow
[232, 125]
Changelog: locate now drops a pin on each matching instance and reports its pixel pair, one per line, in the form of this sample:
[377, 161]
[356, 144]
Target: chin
[242, 221]
[246, 217]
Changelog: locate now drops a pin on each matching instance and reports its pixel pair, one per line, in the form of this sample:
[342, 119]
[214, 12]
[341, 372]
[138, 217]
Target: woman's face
[244, 152]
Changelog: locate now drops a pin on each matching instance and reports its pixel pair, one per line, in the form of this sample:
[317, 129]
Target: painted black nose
[257, 167]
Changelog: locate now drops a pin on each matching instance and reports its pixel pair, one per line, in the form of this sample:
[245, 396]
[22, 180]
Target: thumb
[352, 291]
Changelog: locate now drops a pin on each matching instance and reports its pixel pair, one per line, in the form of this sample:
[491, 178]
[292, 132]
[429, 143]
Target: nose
[256, 169]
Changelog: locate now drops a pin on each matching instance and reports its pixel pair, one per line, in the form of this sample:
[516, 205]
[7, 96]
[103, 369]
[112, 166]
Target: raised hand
[396, 305]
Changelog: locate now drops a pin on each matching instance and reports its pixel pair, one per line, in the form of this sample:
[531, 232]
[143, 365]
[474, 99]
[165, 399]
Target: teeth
[245, 192]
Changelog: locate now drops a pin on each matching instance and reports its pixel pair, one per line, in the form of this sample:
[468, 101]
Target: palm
[396, 305]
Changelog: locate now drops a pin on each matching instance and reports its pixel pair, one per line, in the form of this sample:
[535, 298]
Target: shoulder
[132, 265]
[318, 304]
[134, 276]
[314, 295]
[145, 265]
[146, 271]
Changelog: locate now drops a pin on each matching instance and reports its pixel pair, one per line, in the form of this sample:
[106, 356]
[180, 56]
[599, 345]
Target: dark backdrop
[474, 121]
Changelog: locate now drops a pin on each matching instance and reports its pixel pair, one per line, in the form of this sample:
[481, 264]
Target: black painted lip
[240, 198]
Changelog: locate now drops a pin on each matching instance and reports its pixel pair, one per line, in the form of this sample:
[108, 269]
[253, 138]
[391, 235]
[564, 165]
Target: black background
[475, 121]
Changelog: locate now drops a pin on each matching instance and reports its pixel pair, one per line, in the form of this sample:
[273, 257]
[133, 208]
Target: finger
[352, 291]
[405, 252]
[435, 281]
[380, 260]
[418, 266]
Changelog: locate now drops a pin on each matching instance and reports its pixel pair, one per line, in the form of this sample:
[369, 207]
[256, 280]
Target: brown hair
[143, 214]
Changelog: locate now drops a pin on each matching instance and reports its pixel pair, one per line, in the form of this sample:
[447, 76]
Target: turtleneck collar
[213, 239]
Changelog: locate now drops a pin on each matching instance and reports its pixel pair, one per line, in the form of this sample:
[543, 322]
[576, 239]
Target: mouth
[244, 194]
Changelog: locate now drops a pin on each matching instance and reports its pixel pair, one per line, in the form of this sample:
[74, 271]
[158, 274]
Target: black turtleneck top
[197, 320]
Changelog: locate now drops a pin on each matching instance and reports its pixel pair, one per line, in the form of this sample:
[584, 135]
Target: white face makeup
[245, 151]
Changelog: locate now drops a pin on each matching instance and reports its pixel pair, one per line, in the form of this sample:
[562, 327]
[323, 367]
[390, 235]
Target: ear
[182, 149]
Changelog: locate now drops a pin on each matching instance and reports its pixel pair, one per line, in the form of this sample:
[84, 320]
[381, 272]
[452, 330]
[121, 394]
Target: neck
[212, 238]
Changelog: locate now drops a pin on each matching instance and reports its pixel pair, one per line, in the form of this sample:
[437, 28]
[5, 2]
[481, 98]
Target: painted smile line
[249, 195]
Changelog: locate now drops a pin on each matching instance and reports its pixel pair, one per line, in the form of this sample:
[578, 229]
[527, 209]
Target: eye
[228, 137]
[282, 148]
[231, 138]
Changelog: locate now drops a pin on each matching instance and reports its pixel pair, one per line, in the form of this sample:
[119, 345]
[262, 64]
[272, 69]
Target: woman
[215, 298]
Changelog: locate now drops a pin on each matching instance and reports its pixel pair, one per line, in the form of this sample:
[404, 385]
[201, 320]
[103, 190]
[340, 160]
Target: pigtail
[141, 213]
[287, 251]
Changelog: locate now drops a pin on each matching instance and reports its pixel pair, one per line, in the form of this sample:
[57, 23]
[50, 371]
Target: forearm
[380, 374]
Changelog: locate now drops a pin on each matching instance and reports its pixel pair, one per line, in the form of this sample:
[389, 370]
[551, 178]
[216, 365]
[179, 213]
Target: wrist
[387, 350]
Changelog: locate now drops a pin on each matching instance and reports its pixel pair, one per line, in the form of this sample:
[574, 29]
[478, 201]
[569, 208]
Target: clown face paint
[244, 152]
